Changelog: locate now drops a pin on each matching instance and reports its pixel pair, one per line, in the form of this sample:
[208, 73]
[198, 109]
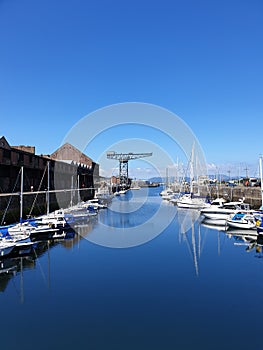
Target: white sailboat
[50, 223]
[22, 228]
[189, 200]
[25, 230]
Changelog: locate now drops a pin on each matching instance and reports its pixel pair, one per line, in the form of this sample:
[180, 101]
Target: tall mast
[71, 192]
[48, 185]
[21, 194]
[192, 170]
[261, 180]
[78, 189]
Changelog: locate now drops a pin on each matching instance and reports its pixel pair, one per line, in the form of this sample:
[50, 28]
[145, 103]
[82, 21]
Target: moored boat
[241, 220]
[223, 211]
[191, 202]
[6, 247]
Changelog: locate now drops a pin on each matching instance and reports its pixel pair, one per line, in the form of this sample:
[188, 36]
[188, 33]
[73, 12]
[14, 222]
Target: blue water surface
[189, 287]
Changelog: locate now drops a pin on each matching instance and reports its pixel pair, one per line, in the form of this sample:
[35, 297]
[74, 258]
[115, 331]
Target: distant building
[115, 180]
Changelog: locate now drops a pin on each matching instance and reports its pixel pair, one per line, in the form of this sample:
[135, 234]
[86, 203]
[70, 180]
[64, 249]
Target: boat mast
[78, 189]
[48, 185]
[21, 194]
[167, 179]
[71, 192]
[192, 171]
[261, 178]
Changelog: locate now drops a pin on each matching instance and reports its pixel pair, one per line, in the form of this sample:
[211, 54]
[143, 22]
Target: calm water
[176, 284]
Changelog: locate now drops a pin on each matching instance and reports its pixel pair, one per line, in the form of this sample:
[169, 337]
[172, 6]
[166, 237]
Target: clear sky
[202, 60]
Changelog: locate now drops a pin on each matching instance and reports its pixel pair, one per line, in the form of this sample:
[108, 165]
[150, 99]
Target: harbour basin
[180, 285]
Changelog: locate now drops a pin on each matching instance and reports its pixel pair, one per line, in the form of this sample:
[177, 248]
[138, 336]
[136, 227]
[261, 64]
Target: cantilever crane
[123, 159]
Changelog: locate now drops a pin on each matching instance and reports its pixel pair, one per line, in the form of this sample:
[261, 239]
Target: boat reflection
[19, 261]
[188, 222]
[214, 224]
[250, 239]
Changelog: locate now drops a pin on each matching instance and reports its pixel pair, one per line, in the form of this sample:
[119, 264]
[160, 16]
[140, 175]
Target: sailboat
[24, 230]
[189, 200]
[260, 216]
[21, 231]
[49, 224]
[261, 181]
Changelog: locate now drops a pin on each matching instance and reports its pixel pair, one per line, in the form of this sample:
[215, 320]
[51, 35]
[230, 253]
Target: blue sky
[202, 60]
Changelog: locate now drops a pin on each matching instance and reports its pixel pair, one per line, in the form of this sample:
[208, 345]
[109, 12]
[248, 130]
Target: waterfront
[189, 286]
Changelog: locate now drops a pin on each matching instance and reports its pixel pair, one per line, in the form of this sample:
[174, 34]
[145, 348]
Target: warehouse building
[67, 168]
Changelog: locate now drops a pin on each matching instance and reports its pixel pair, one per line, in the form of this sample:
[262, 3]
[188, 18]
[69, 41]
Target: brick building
[68, 168]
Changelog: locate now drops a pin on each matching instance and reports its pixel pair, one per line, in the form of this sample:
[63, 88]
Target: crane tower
[123, 159]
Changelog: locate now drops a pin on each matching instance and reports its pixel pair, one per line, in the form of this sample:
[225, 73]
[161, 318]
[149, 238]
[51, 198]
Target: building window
[6, 153]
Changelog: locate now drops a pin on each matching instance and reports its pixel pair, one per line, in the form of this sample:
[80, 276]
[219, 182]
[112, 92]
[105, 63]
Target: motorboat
[167, 194]
[223, 211]
[242, 220]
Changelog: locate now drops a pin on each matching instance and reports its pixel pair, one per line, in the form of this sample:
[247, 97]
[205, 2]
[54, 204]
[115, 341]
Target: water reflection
[192, 233]
[248, 238]
[188, 226]
[16, 263]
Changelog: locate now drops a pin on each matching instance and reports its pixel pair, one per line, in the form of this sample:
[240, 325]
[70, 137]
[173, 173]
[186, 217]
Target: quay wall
[251, 195]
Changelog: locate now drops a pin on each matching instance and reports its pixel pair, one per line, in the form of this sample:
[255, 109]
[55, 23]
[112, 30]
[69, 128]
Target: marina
[131, 175]
[190, 276]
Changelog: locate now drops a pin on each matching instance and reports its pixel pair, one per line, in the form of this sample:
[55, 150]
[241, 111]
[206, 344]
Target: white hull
[241, 221]
[224, 212]
[241, 225]
[216, 215]
[122, 191]
[218, 222]
[189, 205]
[23, 228]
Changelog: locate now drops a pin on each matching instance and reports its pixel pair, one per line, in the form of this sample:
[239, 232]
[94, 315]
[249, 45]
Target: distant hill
[223, 177]
[156, 179]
